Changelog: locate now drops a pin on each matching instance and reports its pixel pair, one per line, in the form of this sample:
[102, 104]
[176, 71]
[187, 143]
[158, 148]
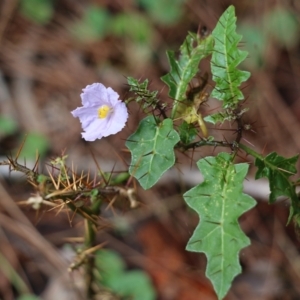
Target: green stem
[90, 235]
[14, 278]
[250, 151]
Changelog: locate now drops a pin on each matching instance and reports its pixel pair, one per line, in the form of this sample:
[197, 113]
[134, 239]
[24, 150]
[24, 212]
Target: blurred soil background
[49, 51]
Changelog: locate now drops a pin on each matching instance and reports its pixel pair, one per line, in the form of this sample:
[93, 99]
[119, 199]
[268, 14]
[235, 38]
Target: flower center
[103, 111]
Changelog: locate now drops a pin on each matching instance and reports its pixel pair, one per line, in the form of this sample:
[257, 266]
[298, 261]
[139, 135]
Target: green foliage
[132, 25]
[218, 118]
[134, 284]
[277, 25]
[38, 11]
[278, 170]
[96, 23]
[282, 25]
[225, 58]
[7, 126]
[165, 12]
[227, 115]
[187, 132]
[220, 201]
[192, 51]
[9, 271]
[28, 297]
[255, 42]
[93, 25]
[148, 99]
[152, 150]
[34, 144]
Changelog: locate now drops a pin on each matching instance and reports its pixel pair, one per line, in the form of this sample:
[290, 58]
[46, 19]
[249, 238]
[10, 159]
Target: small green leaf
[147, 98]
[282, 24]
[225, 58]
[134, 284]
[220, 201]
[7, 126]
[192, 51]
[39, 11]
[110, 264]
[278, 170]
[187, 132]
[165, 12]
[255, 42]
[119, 178]
[226, 115]
[35, 143]
[92, 26]
[152, 150]
[132, 25]
[216, 118]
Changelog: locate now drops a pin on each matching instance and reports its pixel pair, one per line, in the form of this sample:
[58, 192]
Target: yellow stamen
[103, 111]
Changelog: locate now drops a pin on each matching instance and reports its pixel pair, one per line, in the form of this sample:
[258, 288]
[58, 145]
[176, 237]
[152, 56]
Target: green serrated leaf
[220, 201]
[152, 150]
[278, 170]
[225, 58]
[192, 51]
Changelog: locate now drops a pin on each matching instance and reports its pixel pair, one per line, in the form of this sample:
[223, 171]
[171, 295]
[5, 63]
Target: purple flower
[102, 113]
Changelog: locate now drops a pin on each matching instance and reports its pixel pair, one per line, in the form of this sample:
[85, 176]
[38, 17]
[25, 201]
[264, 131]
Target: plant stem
[250, 151]
[90, 259]
[204, 143]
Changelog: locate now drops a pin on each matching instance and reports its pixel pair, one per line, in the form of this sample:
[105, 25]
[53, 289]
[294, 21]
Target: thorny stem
[233, 145]
[162, 110]
[203, 143]
[69, 196]
[250, 151]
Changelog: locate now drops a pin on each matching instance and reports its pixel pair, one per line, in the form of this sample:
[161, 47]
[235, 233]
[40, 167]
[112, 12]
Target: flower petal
[117, 120]
[85, 114]
[93, 97]
[94, 94]
[112, 96]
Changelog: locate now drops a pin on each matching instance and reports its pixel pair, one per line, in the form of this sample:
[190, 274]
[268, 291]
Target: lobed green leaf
[192, 51]
[220, 201]
[225, 58]
[152, 150]
[278, 170]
